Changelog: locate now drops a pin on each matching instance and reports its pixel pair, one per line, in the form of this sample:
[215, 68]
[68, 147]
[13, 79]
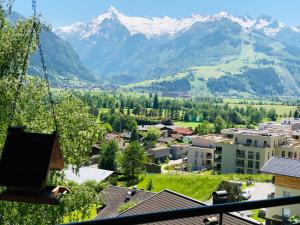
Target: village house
[287, 183]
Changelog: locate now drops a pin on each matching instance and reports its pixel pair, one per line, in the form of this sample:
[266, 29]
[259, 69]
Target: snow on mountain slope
[153, 27]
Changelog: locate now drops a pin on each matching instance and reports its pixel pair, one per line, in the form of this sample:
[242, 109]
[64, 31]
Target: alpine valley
[63, 63]
[215, 54]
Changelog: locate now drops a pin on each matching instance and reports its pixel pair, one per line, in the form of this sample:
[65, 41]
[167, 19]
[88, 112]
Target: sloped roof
[282, 166]
[87, 173]
[168, 200]
[183, 130]
[115, 196]
[27, 157]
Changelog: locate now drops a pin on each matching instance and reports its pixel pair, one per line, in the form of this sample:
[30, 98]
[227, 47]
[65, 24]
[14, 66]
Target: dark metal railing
[192, 212]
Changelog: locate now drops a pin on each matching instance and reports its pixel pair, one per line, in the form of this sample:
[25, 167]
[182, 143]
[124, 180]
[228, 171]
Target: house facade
[247, 150]
[287, 183]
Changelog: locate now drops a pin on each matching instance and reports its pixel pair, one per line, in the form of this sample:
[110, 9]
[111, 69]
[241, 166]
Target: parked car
[246, 194]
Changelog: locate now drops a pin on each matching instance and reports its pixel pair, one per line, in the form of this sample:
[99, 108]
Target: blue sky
[65, 12]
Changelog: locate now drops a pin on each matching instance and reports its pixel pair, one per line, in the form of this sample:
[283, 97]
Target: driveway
[260, 191]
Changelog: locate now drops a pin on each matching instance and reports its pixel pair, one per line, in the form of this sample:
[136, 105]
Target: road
[261, 190]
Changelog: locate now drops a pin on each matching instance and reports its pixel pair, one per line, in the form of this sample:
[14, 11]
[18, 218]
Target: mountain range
[62, 61]
[217, 54]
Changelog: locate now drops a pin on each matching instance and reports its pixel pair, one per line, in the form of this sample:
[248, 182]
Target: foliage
[126, 205]
[132, 160]
[233, 189]
[77, 129]
[219, 124]
[134, 134]
[204, 128]
[82, 199]
[294, 220]
[108, 155]
[149, 185]
[119, 122]
[155, 102]
[14, 41]
[151, 137]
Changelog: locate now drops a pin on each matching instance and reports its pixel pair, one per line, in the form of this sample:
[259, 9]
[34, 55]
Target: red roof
[183, 131]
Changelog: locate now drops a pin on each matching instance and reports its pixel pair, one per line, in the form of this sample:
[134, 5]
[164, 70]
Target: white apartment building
[200, 154]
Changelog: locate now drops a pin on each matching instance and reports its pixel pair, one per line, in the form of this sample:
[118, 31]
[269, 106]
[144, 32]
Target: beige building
[287, 183]
[247, 150]
[200, 154]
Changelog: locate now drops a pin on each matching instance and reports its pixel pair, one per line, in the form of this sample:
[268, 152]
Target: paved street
[258, 192]
[261, 190]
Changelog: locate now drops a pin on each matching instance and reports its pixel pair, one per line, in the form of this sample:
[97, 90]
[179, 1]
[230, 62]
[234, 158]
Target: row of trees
[196, 110]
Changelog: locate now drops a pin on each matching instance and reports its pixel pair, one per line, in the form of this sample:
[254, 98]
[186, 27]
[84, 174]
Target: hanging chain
[9, 6]
[38, 28]
[23, 72]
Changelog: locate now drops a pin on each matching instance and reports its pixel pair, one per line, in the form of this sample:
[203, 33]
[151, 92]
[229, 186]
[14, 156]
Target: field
[186, 124]
[196, 186]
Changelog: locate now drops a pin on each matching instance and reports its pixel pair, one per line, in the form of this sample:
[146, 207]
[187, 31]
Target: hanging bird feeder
[27, 158]
[26, 161]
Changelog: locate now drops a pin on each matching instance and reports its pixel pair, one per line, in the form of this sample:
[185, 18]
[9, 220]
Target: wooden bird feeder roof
[25, 163]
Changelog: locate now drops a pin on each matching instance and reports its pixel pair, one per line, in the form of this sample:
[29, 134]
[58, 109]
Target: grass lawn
[186, 124]
[196, 186]
[255, 216]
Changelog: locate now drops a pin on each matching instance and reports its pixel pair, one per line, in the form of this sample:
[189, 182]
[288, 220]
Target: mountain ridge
[128, 50]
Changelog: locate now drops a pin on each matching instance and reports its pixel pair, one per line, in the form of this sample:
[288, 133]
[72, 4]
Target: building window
[240, 153]
[236, 140]
[265, 143]
[250, 164]
[283, 154]
[257, 156]
[290, 155]
[219, 149]
[202, 154]
[268, 155]
[295, 155]
[249, 141]
[250, 155]
[196, 154]
[257, 165]
[240, 163]
[249, 171]
[255, 143]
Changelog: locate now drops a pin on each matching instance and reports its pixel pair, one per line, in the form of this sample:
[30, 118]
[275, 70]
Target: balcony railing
[193, 212]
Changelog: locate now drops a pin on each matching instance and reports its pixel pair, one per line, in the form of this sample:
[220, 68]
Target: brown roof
[115, 196]
[111, 136]
[168, 200]
[184, 131]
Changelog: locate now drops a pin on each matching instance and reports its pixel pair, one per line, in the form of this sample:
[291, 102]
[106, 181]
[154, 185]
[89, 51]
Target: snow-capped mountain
[126, 49]
[153, 27]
